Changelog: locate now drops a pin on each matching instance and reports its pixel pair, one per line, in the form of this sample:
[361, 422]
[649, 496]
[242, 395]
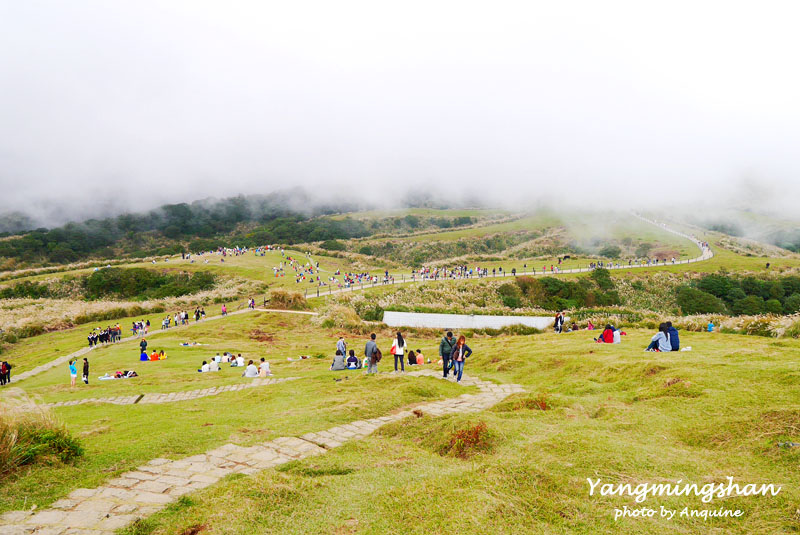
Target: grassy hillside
[589, 410]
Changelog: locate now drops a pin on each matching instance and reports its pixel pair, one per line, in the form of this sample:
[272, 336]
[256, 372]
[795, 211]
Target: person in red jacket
[607, 337]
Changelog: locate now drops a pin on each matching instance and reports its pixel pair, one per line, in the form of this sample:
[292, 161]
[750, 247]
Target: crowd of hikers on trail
[109, 335]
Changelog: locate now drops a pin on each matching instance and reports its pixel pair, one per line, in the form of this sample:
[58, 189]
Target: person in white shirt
[240, 360]
[263, 368]
[251, 370]
[398, 350]
[213, 366]
[204, 368]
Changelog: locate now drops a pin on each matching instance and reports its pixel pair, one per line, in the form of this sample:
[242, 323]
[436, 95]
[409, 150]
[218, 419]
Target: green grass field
[613, 413]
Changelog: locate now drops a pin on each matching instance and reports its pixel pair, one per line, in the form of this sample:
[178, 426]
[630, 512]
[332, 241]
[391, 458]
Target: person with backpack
[674, 340]
[399, 351]
[3, 372]
[459, 355]
[445, 350]
[373, 354]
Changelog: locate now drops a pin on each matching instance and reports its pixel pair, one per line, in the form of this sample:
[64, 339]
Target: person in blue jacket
[673, 336]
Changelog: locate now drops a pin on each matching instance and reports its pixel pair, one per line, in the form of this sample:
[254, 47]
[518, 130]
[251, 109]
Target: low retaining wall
[463, 321]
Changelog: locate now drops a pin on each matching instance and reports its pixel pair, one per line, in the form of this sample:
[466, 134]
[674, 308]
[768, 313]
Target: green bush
[643, 250]
[773, 306]
[140, 283]
[792, 304]
[603, 279]
[25, 290]
[333, 245]
[370, 311]
[749, 306]
[716, 285]
[694, 301]
[511, 295]
[610, 251]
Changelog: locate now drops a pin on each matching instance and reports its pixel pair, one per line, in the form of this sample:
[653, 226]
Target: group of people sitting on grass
[350, 363]
[262, 370]
[155, 355]
[666, 339]
[610, 335]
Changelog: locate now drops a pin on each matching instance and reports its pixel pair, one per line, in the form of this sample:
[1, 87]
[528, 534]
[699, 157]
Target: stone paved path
[66, 358]
[173, 396]
[151, 487]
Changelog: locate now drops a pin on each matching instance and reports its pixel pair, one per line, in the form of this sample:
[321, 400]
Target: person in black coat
[458, 356]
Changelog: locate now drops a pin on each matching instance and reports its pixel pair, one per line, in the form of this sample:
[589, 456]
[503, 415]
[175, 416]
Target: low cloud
[109, 107]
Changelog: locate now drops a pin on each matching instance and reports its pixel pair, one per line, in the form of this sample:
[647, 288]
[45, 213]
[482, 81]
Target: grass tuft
[468, 441]
[30, 434]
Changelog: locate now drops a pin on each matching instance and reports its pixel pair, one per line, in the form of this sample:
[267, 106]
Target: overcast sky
[143, 102]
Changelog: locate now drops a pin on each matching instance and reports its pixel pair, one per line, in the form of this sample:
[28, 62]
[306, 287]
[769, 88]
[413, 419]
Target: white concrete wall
[463, 321]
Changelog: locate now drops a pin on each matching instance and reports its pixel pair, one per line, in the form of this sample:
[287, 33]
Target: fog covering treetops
[283, 217]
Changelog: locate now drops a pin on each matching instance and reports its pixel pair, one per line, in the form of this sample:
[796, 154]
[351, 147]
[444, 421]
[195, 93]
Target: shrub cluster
[285, 299]
[719, 293]
[552, 293]
[140, 283]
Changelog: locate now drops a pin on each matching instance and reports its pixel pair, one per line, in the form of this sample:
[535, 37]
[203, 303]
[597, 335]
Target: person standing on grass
[341, 345]
[3, 371]
[445, 349]
[399, 350]
[558, 324]
[143, 345]
[371, 354]
[85, 370]
[73, 373]
[460, 353]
